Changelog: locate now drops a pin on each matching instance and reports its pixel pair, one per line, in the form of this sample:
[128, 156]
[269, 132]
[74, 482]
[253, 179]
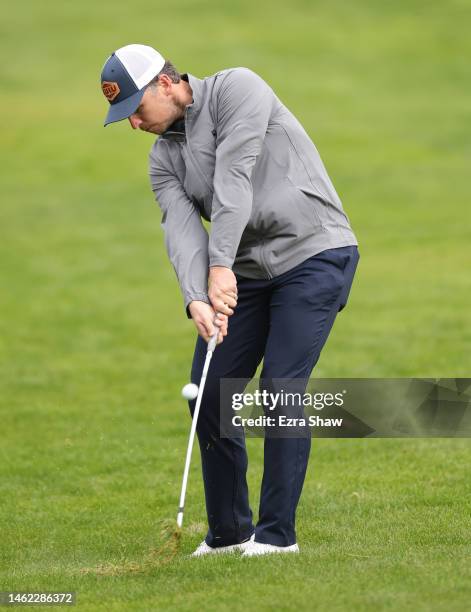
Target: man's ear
[165, 83]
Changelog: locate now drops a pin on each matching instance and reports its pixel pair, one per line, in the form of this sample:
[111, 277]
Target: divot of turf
[170, 544]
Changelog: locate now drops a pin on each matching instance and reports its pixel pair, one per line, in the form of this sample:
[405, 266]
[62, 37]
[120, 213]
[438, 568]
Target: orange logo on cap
[111, 90]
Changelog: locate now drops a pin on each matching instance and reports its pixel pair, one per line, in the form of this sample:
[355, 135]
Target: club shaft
[194, 421]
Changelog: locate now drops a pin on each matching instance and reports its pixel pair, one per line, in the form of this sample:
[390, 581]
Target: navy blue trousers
[286, 321]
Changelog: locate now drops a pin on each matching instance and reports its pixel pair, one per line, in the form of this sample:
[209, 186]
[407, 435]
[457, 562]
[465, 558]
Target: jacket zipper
[193, 159]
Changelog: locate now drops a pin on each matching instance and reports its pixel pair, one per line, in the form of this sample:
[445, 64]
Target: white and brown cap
[124, 78]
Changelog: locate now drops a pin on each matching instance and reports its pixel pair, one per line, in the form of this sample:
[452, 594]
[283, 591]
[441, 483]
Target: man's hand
[222, 289]
[205, 319]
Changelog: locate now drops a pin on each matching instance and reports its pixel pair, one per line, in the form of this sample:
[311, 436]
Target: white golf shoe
[204, 549]
[257, 548]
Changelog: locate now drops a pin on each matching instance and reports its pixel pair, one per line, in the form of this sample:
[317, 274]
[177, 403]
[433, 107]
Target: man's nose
[134, 121]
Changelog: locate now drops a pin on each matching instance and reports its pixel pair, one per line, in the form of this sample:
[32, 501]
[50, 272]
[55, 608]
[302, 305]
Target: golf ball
[190, 391]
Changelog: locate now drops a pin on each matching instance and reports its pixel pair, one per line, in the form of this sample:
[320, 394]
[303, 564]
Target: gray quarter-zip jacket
[241, 160]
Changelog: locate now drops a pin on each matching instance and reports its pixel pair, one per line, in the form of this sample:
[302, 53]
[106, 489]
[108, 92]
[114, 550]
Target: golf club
[209, 353]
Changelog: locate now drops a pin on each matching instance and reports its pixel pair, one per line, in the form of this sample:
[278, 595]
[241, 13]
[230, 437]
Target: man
[278, 263]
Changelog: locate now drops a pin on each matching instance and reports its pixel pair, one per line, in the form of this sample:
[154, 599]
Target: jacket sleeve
[242, 108]
[186, 239]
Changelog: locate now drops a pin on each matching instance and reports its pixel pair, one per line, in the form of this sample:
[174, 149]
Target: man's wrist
[216, 269]
[200, 297]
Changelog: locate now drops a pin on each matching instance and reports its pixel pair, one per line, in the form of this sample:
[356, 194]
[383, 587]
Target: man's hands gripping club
[222, 293]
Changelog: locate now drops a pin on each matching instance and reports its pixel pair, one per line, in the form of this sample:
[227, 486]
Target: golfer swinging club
[277, 265]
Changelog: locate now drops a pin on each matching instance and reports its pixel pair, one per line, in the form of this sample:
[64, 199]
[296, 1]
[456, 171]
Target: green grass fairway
[95, 345]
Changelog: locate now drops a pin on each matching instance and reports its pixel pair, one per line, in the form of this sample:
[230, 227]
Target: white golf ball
[190, 391]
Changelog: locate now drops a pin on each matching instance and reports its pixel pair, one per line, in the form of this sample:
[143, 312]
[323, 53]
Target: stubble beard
[179, 112]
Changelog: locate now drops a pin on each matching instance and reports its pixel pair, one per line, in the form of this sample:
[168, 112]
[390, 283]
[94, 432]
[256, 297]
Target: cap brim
[122, 110]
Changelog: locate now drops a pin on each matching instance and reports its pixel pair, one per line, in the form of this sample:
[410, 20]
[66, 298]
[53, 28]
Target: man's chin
[152, 130]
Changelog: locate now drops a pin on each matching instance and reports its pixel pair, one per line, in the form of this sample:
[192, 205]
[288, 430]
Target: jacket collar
[177, 130]
[197, 86]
